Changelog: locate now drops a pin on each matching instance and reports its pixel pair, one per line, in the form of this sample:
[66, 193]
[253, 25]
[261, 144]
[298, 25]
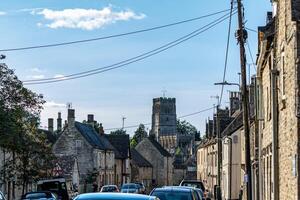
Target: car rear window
[36, 196]
[194, 184]
[172, 195]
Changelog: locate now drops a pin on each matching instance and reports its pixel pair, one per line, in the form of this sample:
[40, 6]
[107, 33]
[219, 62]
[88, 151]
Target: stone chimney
[234, 100]
[101, 130]
[59, 122]
[90, 119]
[50, 124]
[71, 117]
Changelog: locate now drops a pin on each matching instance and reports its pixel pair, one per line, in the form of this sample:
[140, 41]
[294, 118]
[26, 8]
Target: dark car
[109, 188]
[130, 188]
[113, 196]
[175, 193]
[42, 195]
[56, 185]
[199, 192]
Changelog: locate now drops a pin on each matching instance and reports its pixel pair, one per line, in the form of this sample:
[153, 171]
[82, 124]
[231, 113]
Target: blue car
[113, 196]
[175, 193]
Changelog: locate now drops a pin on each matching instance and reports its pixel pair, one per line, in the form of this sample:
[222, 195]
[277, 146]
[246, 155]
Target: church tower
[164, 122]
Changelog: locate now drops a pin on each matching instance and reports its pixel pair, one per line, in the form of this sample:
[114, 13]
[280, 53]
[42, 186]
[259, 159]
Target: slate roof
[139, 160]
[159, 147]
[95, 139]
[121, 143]
[51, 137]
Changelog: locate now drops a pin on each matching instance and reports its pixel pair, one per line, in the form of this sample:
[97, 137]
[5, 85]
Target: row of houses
[274, 119]
[98, 159]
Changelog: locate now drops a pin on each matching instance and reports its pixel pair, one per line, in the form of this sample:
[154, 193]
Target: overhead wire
[110, 36]
[146, 124]
[226, 55]
[131, 60]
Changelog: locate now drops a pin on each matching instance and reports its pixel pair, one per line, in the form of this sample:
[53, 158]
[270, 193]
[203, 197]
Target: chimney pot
[59, 122]
[101, 129]
[50, 124]
[71, 117]
[90, 118]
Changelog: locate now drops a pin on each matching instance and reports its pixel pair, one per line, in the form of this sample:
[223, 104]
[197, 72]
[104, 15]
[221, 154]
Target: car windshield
[109, 189]
[129, 186]
[171, 195]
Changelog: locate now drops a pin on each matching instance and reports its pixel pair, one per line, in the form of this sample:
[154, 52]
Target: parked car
[142, 189]
[42, 195]
[130, 188]
[55, 185]
[113, 196]
[175, 193]
[109, 188]
[2, 197]
[195, 184]
[199, 192]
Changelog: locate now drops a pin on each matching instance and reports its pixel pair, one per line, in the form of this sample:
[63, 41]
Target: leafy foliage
[138, 136]
[118, 132]
[186, 128]
[28, 154]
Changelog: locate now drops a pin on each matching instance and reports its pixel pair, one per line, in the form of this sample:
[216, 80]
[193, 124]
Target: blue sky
[187, 71]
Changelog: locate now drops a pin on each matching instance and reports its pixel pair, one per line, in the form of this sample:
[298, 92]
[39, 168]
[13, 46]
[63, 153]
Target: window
[78, 143]
[283, 76]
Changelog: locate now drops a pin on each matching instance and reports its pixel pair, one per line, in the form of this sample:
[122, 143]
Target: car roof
[112, 196]
[109, 186]
[192, 181]
[174, 188]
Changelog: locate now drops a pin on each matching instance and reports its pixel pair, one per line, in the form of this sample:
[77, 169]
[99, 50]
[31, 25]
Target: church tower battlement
[164, 122]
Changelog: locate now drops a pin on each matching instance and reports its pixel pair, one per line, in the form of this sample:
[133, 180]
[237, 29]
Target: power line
[146, 124]
[131, 60]
[249, 29]
[226, 56]
[111, 36]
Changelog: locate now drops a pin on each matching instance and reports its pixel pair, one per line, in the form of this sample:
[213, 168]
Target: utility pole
[241, 36]
[123, 122]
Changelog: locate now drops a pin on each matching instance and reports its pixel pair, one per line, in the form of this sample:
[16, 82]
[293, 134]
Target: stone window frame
[78, 144]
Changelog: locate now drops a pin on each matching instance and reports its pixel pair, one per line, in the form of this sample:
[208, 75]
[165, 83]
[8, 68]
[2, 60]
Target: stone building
[141, 170]
[94, 153]
[164, 123]
[207, 164]
[160, 159]
[279, 102]
[122, 151]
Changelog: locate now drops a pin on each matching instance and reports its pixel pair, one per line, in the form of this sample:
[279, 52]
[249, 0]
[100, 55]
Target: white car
[2, 197]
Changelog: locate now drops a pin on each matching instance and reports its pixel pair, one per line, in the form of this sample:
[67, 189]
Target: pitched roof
[159, 147]
[121, 145]
[95, 139]
[139, 160]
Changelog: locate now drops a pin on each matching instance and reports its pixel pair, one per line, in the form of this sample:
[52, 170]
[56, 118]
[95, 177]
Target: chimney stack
[59, 122]
[50, 124]
[71, 117]
[90, 119]
[234, 99]
[101, 130]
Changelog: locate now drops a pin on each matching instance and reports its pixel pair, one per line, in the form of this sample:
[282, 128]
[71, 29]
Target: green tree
[186, 128]
[138, 136]
[118, 132]
[19, 120]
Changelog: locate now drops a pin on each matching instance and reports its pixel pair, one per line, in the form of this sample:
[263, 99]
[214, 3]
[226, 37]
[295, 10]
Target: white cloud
[40, 76]
[2, 13]
[36, 69]
[59, 76]
[86, 19]
[53, 104]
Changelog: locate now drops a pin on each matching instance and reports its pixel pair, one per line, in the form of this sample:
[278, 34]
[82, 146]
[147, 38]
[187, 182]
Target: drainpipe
[230, 165]
[275, 186]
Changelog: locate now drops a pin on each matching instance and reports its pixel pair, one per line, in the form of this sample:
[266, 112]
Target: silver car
[114, 196]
